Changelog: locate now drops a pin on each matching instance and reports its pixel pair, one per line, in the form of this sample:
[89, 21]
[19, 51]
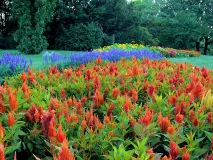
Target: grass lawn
[206, 61]
[200, 61]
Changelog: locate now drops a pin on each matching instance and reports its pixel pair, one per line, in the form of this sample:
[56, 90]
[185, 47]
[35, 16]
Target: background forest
[36, 25]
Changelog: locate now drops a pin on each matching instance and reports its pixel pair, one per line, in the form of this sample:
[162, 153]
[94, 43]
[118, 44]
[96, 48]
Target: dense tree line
[34, 25]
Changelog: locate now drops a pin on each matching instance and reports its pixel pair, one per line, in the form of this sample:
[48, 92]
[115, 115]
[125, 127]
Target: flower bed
[137, 109]
[166, 52]
[12, 65]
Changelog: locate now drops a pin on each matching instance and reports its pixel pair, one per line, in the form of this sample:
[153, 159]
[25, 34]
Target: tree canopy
[33, 26]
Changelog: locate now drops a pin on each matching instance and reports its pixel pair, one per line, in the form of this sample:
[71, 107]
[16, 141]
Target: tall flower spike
[60, 136]
[65, 153]
[13, 101]
[2, 155]
[163, 122]
[179, 118]
[10, 119]
[174, 150]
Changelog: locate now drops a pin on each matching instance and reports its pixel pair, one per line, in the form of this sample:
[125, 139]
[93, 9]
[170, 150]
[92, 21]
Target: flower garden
[110, 104]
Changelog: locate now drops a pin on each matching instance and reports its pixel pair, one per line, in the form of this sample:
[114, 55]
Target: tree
[7, 25]
[32, 15]
[202, 16]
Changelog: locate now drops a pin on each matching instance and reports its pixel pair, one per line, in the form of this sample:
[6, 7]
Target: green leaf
[11, 149]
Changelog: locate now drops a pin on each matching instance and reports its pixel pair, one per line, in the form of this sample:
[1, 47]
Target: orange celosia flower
[10, 119]
[186, 156]
[65, 153]
[99, 60]
[73, 118]
[51, 130]
[60, 136]
[13, 101]
[115, 92]
[23, 77]
[179, 118]
[152, 154]
[146, 118]
[166, 158]
[98, 98]
[84, 124]
[110, 108]
[106, 119]
[174, 150]
[163, 122]
[171, 129]
[2, 155]
[33, 114]
[1, 132]
[127, 105]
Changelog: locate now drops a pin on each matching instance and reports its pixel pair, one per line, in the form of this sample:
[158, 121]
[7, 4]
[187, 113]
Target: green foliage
[80, 37]
[32, 18]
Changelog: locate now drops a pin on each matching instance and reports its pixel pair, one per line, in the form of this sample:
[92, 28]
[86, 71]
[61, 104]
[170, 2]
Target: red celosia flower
[83, 99]
[212, 144]
[13, 101]
[179, 118]
[151, 90]
[2, 155]
[63, 93]
[1, 132]
[110, 108]
[134, 95]
[115, 92]
[191, 115]
[211, 157]
[60, 136]
[186, 156]
[97, 83]
[51, 130]
[198, 91]
[65, 153]
[46, 118]
[209, 118]
[10, 119]
[171, 129]
[2, 106]
[195, 122]
[163, 122]
[174, 150]
[146, 118]
[172, 100]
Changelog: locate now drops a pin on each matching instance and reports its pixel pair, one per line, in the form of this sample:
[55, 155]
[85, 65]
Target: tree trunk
[206, 45]
[197, 46]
